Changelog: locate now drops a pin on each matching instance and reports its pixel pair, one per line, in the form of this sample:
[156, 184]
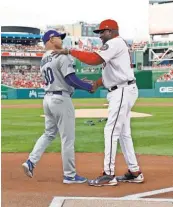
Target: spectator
[22, 78]
[21, 48]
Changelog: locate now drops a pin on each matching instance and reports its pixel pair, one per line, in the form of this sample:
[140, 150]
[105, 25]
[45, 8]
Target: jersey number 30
[49, 78]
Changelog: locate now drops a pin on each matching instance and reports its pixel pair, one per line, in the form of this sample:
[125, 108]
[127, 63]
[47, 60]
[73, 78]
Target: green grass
[92, 100]
[152, 135]
[155, 100]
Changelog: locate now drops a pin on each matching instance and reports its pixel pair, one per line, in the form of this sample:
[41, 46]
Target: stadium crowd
[19, 48]
[22, 78]
[31, 78]
[89, 43]
[78, 45]
[137, 46]
[166, 77]
[140, 45]
[164, 66]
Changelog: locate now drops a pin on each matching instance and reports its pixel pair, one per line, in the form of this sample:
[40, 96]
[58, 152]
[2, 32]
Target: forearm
[75, 82]
[86, 57]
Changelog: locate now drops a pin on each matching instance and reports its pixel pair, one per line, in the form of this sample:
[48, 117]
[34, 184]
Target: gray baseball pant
[59, 117]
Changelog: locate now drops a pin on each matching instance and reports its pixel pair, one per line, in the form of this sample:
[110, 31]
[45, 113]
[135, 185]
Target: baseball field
[22, 125]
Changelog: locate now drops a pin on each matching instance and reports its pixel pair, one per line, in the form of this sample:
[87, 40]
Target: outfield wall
[161, 89]
[146, 81]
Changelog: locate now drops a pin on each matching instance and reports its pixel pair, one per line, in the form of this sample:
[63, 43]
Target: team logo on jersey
[104, 47]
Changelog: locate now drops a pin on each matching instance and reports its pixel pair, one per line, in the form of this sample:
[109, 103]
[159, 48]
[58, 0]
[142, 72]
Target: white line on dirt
[150, 193]
[59, 201]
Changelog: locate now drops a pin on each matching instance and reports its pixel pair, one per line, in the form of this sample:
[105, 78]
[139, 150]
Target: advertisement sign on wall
[164, 89]
[30, 93]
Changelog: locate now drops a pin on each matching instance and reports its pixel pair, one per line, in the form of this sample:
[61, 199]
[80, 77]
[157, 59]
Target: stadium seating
[22, 78]
[166, 77]
[24, 48]
[160, 44]
[138, 46]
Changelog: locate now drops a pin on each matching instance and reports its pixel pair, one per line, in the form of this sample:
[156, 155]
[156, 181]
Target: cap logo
[51, 35]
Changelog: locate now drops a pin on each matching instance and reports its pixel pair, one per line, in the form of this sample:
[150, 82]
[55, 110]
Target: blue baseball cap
[52, 33]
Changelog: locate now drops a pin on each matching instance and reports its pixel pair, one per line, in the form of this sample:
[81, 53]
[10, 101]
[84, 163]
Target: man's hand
[94, 87]
[92, 82]
[58, 52]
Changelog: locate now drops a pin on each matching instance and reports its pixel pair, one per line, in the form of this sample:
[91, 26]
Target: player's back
[52, 71]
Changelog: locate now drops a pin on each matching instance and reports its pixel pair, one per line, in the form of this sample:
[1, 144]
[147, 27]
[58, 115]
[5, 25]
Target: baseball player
[118, 78]
[60, 82]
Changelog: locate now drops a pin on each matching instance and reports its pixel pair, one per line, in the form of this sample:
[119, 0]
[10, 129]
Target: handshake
[93, 83]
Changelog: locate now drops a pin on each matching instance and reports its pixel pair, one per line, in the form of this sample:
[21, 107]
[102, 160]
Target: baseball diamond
[87, 108]
[17, 120]
[28, 124]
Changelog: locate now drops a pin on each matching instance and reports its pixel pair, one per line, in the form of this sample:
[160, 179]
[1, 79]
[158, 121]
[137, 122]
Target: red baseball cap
[107, 24]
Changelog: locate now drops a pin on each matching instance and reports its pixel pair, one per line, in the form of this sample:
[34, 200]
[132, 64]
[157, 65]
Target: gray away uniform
[59, 111]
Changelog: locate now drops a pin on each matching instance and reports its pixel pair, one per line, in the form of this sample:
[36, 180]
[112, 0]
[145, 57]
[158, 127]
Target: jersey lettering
[48, 75]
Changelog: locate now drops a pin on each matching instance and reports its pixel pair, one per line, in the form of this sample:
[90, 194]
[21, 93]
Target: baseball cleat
[28, 167]
[103, 180]
[131, 178]
[73, 180]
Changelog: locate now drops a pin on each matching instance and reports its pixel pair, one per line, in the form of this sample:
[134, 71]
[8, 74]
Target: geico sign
[166, 89]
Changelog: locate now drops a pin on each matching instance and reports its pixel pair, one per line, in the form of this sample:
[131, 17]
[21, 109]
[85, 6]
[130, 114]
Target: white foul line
[150, 193]
[59, 201]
